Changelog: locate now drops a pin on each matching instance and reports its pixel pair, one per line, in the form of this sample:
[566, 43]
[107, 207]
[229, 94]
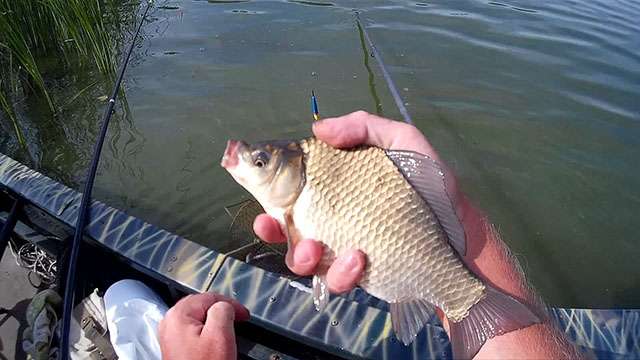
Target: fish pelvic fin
[320, 292]
[496, 314]
[409, 317]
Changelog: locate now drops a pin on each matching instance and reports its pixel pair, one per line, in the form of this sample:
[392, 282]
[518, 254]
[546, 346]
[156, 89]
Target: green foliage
[6, 107]
[73, 32]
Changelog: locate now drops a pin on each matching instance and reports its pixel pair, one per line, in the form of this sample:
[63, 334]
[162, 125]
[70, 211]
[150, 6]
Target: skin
[487, 256]
[200, 327]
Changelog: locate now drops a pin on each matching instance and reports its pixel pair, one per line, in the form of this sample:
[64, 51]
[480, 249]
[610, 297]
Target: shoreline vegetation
[39, 39]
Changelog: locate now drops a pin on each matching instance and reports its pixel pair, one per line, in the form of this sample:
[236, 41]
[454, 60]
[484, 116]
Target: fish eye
[260, 159]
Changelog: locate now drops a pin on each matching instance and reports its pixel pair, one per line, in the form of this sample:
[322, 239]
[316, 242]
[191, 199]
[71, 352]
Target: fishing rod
[387, 77]
[83, 212]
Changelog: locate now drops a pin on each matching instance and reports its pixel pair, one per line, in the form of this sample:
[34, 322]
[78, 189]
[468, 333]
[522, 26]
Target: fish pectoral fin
[320, 292]
[426, 176]
[496, 314]
[320, 289]
[409, 317]
[293, 236]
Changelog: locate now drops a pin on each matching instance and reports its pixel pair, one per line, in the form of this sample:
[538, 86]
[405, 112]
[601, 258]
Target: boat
[284, 323]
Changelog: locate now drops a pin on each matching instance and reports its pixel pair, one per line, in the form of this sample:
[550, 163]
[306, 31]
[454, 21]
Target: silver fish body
[393, 206]
[358, 199]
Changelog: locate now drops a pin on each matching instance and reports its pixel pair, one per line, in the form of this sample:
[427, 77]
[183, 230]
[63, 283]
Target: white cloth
[133, 314]
[85, 345]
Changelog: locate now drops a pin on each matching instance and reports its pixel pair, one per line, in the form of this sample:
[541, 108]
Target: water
[535, 106]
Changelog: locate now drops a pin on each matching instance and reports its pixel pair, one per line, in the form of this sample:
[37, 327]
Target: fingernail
[302, 258]
[223, 311]
[349, 264]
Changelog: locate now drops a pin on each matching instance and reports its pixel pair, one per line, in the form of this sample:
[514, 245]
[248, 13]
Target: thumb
[218, 330]
[360, 128]
[344, 131]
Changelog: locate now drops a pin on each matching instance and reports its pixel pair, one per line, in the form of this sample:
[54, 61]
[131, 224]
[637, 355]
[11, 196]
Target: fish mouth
[230, 157]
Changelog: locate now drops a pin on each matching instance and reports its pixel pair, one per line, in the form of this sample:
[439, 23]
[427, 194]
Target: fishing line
[83, 212]
[37, 261]
[392, 87]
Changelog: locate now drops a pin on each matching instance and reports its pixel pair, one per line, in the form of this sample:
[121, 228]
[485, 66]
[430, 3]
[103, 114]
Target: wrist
[489, 257]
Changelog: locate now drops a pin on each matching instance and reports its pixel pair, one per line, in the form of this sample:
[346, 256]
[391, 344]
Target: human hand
[345, 132]
[486, 255]
[200, 327]
[361, 127]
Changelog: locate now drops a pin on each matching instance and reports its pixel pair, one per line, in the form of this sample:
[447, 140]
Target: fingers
[346, 271]
[219, 331]
[268, 229]
[306, 256]
[363, 128]
[193, 308]
[343, 275]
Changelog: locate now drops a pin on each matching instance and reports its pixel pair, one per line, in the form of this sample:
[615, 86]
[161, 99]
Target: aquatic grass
[81, 26]
[14, 41]
[75, 33]
[6, 107]
[79, 93]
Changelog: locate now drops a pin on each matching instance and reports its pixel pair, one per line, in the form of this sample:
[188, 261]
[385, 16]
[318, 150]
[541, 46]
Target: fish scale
[394, 206]
[359, 199]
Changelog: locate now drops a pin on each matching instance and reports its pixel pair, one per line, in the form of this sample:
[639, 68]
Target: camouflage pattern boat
[354, 325]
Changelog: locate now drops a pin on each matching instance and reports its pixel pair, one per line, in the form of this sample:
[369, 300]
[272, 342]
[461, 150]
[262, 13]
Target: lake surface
[536, 105]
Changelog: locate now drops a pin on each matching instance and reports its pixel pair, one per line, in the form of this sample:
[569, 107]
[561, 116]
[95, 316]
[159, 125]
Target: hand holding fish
[343, 274]
[388, 195]
[346, 131]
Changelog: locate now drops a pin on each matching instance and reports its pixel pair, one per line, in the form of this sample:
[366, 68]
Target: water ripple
[534, 103]
[600, 104]
[508, 50]
[311, 3]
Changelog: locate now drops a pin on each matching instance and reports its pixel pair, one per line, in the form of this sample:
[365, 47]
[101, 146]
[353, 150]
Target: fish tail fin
[496, 314]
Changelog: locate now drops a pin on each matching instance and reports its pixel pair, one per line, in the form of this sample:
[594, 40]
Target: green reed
[73, 32]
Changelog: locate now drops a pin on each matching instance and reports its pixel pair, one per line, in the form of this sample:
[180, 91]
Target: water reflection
[533, 104]
[371, 77]
[312, 3]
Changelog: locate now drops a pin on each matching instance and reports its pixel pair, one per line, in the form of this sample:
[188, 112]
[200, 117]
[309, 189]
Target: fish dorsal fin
[409, 317]
[426, 176]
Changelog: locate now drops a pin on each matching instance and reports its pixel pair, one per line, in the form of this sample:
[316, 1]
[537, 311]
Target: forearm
[490, 258]
[486, 255]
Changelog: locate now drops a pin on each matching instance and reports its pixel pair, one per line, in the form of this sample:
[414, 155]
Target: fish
[392, 205]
